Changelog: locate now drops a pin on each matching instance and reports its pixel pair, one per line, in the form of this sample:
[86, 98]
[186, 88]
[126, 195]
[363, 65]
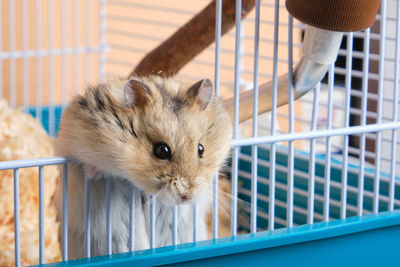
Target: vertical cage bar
[175, 225]
[25, 60]
[215, 207]
[39, 70]
[41, 215]
[311, 167]
[255, 121]
[271, 205]
[382, 43]
[12, 60]
[349, 63]
[217, 84]
[88, 19]
[76, 46]
[395, 112]
[16, 218]
[109, 215]
[132, 219]
[360, 200]
[217, 65]
[327, 185]
[195, 231]
[63, 56]
[51, 84]
[235, 157]
[65, 212]
[102, 40]
[152, 221]
[290, 181]
[87, 215]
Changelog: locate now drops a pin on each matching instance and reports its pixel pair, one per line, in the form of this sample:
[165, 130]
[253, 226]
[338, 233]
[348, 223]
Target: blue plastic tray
[372, 240]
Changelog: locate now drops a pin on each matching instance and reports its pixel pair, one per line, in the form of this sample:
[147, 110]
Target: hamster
[162, 136]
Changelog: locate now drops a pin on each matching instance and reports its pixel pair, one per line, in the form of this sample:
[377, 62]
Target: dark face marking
[117, 119]
[210, 127]
[108, 99]
[177, 104]
[161, 176]
[99, 101]
[105, 119]
[83, 103]
[131, 128]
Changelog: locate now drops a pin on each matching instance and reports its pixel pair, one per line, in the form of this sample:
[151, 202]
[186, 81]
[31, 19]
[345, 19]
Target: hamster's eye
[201, 150]
[162, 151]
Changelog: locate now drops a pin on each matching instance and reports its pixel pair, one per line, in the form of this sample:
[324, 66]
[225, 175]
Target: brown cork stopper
[335, 15]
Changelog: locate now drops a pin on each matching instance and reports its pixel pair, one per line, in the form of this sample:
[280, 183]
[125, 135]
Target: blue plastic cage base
[371, 240]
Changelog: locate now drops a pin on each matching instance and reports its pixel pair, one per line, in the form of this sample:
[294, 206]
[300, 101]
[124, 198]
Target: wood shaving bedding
[23, 137]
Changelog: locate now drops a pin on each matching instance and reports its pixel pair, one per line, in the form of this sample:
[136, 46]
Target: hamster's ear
[202, 91]
[136, 93]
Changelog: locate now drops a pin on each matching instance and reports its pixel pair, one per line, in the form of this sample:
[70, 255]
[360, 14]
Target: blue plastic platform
[372, 240]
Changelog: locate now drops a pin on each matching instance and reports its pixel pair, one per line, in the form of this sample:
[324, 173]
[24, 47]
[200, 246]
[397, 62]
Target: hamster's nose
[185, 198]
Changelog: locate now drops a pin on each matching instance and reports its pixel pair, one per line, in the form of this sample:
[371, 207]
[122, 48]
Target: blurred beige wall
[132, 31]
[72, 39]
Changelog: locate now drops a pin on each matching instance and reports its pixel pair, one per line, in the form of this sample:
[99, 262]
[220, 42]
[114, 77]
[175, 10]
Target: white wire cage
[330, 154]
